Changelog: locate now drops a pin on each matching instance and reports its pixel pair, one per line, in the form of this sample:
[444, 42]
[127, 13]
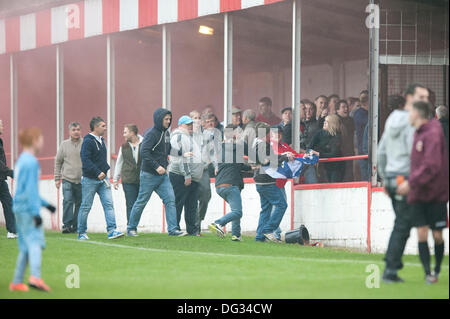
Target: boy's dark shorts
[432, 214]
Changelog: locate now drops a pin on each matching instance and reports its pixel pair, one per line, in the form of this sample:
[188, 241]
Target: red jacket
[280, 148]
[428, 178]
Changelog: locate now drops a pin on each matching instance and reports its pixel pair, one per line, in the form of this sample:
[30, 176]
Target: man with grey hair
[442, 115]
[68, 169]
[248, 120]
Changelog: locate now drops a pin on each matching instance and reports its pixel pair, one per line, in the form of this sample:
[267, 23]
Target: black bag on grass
[297, 236]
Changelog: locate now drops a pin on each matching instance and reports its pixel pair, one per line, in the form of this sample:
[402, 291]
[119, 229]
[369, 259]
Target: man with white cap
[185, 172]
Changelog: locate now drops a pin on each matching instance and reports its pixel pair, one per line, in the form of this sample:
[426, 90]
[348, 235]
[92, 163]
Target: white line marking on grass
[318, 260]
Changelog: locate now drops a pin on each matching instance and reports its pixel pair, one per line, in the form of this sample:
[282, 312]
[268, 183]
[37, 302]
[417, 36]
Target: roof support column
[13, 106]
[227, 68]
[110, 98]
[59, 96]
[296, 67]
[166, 71]
[373, 89]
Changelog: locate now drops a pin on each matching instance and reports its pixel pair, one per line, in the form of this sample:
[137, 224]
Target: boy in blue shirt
[26, 207]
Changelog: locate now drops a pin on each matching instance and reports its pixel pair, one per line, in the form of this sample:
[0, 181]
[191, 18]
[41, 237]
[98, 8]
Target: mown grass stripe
[318, 260]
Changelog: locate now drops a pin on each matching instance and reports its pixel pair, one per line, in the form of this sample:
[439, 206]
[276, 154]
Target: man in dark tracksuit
[394, 152]
[229, 182]
[5, 196]
[155, 149]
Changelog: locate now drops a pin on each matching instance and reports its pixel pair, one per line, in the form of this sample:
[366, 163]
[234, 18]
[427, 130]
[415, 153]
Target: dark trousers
[204, 196]
[348, 176]
[6, 200]
[334, 176]
[187, 197]
[400, 233]
[131, 192]
[335, 173]
[364, 168]
[71, 204]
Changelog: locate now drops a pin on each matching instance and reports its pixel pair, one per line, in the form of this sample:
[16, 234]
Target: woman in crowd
[328, 142]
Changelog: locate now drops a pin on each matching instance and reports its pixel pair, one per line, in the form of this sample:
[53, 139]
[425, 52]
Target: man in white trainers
[5, 195]
[94, 180]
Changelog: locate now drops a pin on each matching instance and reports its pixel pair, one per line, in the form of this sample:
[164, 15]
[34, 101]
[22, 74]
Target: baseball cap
[184, 120]
[285, 109]
[235, 109]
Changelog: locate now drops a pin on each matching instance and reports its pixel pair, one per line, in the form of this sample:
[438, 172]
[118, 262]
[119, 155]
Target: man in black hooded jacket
[155, 149]
[5, 196]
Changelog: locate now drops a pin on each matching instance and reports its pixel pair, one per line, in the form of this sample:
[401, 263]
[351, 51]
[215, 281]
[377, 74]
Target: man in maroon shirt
[427, 186]
[265, 112]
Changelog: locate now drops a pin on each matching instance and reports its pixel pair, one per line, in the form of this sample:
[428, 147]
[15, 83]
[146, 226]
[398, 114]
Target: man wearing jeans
[229, 183]
[94, 180]
[68, 168]
[155, 149]
[273, 203]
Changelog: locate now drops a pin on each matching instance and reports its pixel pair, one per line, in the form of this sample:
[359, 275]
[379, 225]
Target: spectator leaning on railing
[328, 142]
[348, 132]
[311, 127]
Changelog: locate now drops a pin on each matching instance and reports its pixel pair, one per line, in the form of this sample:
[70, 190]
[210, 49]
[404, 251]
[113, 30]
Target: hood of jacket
[158, 117]
[397, 123]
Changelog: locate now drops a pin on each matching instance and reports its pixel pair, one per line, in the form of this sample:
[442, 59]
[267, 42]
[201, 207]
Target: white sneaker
[182, 234]
[132, 233]
[11, 235]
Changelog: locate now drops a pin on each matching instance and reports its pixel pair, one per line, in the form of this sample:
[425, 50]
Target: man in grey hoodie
[185, 173]
[394, 151]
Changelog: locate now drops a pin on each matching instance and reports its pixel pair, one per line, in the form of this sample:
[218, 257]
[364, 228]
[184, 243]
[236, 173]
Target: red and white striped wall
[89, 18]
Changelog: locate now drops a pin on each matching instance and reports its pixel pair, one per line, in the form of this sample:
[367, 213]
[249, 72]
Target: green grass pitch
[159, 266]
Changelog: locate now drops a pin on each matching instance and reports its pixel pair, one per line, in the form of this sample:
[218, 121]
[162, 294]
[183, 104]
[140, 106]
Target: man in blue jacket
[94, 180]
[155, 149]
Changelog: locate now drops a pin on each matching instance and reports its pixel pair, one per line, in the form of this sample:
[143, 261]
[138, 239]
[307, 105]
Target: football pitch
[159, 266]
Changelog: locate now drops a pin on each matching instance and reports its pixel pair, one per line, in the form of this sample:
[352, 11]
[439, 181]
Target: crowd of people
[178, 163]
